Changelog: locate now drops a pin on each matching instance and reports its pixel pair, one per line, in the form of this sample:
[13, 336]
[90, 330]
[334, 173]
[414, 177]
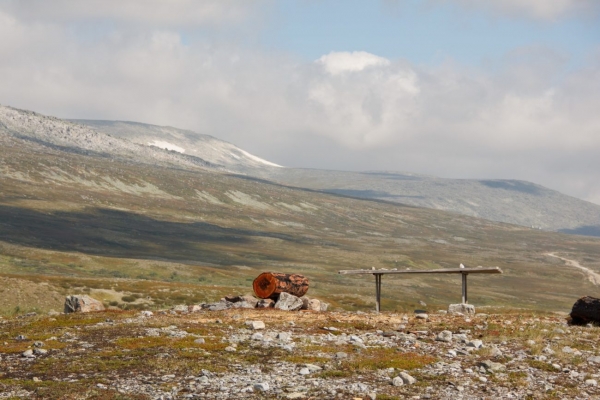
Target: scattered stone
[477, 344]
[491, 366]
[288, 302]
[244, 304]
[594, 360]
[146, 313]
[466, 309]
[422, 316]
[265, 303]
[444, 336]
[194, 308]
[28, 353]
[261, 386]
[82, 303]
[397, 381]
[340, 355]
[407, 379]
[256, 325]
[311, 304]
[199, 341]
[591, 382]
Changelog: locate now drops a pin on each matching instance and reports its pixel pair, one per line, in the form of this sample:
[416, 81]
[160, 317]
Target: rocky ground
[268, 353]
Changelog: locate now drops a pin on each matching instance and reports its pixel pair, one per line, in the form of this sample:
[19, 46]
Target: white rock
[262, 386]
[256, 325]
[421, 316]
[591, 382]
[397, 381]
[28, 353]
[467, 309]
[406, 378]
[477, 344]
[444, 336]
[594, 360]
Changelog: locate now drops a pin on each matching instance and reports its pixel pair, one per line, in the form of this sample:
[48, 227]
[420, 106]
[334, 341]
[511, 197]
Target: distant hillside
[516, 202]
[510, 201]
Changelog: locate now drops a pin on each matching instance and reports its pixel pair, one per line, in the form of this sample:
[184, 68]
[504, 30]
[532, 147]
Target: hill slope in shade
[510, 201]
[86, 215]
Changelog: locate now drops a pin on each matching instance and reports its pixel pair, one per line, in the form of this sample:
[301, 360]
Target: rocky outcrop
[82, 303]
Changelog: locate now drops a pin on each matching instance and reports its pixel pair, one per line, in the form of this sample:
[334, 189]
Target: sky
[473, 89]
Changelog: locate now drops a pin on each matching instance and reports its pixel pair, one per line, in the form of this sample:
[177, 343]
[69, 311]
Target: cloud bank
[528, 117]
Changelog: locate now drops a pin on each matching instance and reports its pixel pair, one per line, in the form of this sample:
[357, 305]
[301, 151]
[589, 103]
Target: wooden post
[377, 292]
[464, 288]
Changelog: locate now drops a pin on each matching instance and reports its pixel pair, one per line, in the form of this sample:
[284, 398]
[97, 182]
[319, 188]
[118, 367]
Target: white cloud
[356, 110]
[339, 62]
[540, 9]
[172, 12]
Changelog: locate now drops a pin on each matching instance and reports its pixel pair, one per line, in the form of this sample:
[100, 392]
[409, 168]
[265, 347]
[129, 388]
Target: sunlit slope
[86, 215]
[502, 200]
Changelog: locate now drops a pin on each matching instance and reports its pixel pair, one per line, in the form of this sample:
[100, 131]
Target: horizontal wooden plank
[492, 270]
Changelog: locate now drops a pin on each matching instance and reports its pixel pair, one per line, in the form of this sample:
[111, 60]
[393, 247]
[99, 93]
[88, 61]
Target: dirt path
[591, 275]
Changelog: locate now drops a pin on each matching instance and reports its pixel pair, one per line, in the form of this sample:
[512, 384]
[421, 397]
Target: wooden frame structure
[378, 273]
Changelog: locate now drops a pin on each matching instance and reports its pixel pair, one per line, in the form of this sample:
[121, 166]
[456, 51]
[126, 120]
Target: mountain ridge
[503, 200]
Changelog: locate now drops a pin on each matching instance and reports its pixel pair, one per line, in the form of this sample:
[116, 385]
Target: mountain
[84, 211]
[511, 201]
[206, 147]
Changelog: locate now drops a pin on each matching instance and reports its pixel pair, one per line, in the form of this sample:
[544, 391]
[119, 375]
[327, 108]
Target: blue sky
[421, 33]
[454, 88]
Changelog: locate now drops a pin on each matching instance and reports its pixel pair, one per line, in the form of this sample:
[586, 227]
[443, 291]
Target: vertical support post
[464, 288]
[377, 292]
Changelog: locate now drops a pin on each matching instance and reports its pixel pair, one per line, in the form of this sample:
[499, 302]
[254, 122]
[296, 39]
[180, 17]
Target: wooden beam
[491, 270]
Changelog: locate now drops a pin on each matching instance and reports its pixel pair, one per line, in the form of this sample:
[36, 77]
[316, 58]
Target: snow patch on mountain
[259, 160]
[167, 146]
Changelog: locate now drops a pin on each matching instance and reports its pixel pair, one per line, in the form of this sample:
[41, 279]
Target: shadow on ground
[123, 234]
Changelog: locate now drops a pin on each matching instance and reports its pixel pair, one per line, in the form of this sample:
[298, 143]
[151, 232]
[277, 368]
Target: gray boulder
[82, 303]
[250, 300]
[467, 309]
[288, 302]
[311, 304]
